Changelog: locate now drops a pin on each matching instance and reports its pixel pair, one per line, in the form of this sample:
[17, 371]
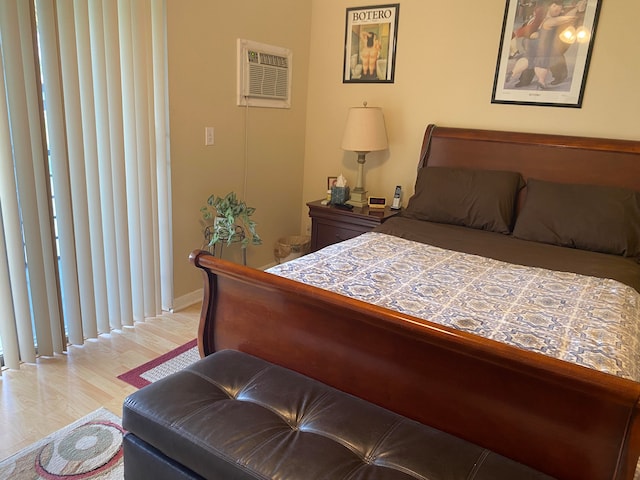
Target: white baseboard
[196, 296]
[187, 300]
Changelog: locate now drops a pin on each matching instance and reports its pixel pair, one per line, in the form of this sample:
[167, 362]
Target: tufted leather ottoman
[235, 416]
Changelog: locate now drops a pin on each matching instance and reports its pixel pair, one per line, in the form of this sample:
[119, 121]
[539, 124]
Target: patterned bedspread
[589, 321]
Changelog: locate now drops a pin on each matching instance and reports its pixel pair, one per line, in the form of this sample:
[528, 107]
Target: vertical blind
[85, 242]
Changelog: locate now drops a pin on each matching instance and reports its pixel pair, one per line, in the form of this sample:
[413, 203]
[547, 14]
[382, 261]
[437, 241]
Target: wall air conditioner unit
[264, 75]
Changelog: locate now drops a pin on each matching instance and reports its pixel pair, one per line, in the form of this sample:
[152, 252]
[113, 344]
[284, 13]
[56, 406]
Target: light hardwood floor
[41, 398]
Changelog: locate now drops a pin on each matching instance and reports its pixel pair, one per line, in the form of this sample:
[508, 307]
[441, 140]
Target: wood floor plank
[41, 398]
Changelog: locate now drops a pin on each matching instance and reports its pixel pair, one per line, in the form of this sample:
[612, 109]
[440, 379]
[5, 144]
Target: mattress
[582, 318]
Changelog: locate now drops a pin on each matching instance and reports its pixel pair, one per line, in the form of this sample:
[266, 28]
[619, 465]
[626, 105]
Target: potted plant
[232, 221]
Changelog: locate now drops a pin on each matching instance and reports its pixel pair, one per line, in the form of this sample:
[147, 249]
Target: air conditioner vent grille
[274, 60]
[268, 81]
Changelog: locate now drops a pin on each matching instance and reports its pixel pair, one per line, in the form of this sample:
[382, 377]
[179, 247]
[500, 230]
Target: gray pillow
[482, 199]
[588, 217]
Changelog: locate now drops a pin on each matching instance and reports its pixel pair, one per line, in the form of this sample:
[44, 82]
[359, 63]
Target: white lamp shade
[364, 130]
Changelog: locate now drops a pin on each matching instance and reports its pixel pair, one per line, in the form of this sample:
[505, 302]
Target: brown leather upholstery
[232, 415]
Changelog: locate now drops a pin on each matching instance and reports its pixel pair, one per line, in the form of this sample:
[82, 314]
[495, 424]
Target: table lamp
[364, 132]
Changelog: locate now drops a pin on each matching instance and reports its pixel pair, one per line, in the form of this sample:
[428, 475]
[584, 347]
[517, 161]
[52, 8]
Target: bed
[547, 228]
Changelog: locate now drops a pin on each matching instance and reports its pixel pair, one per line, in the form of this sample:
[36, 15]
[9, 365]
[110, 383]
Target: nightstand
[330, 225]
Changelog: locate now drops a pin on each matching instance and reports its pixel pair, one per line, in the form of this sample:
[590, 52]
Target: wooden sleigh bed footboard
[568, 421]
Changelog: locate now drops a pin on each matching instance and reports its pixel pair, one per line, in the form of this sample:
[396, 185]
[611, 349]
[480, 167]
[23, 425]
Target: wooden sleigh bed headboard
[568, 421]
[557, 158]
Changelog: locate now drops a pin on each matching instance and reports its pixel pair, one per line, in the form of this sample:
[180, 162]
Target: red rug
[164, 365]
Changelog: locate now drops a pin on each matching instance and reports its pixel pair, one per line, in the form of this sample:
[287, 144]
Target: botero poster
[370, 44]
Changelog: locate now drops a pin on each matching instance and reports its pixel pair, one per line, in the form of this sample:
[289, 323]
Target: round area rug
[90, 448]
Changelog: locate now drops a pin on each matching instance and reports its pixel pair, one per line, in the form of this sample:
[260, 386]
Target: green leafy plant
[231, 221]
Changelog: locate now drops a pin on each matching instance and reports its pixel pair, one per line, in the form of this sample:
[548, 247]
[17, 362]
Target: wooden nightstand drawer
[324, 234]
[331, 225]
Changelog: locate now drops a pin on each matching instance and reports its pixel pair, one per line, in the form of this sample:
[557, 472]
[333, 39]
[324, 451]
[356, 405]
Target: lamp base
[358, 198]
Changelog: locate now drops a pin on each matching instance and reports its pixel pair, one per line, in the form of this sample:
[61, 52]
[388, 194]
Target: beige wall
[202, 38]
[445, 66]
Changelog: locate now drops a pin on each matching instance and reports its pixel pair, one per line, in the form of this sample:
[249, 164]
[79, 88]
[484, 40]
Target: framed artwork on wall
[545, 50]
[370, 44]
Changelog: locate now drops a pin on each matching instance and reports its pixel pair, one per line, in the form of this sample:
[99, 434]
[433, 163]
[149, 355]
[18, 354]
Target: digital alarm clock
[377, 202]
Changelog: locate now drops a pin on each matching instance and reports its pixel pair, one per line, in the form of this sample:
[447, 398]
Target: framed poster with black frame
[545, 51]
[370, 44]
